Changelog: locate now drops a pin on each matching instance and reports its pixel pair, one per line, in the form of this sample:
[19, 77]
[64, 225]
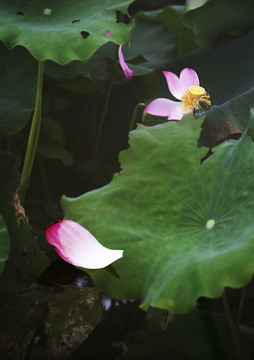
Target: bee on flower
[185, 88]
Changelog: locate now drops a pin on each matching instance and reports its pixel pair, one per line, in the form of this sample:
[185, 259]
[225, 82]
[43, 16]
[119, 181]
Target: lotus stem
[33, 137]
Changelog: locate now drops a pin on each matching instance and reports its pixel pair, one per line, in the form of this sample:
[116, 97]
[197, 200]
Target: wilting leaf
[67, 314]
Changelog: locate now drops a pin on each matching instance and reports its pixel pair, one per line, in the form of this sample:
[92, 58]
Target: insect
[198, 112]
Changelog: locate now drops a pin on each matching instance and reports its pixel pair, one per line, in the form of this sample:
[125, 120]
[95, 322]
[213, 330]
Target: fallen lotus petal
[127, 71]
[108, 32]
[185, 88]
[78, 246]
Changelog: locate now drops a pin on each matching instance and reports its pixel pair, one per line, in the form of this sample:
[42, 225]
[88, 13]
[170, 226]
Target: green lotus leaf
[171, 16]
[4, 244]
[194, 4]
[62, 30]
[18, 74]
[217, 17]
[187, 229]
[148, 40]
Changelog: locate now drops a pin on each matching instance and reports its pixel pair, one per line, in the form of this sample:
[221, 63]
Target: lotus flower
[185, 88]
[127, 71]
[79, 247]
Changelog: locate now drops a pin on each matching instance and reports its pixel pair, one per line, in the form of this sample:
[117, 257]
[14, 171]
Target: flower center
[196, 91]
[193, 97]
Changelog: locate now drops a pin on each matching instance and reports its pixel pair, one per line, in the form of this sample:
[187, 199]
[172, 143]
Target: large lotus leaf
[187, 230]
[18, 74]
[4, 244]
[171, 16]
[62, 30]
[216, 17]
[230, 86]
[152, 44]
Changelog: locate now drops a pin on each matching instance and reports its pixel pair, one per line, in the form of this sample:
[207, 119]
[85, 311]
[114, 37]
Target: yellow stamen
[193, 97]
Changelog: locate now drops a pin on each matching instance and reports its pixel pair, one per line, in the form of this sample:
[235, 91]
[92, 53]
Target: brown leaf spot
[84, 34]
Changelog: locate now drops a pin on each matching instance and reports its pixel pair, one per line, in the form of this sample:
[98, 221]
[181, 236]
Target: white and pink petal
[176, 111]
[188, 78]
[174, 84]
[159, 107]
[78, 246]
[127, 71]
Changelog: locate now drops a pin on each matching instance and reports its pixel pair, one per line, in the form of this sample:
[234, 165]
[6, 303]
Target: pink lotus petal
[174, 84]
[108, 32]
[79, 247]
[176, 111]
[159, 107]
[188, 78]
[127, 71]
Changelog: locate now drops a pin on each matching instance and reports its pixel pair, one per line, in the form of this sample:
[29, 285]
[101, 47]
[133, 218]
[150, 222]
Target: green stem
[33, 137]
[240, 307]
[232, 326]
[134, 114]
[104, 111]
